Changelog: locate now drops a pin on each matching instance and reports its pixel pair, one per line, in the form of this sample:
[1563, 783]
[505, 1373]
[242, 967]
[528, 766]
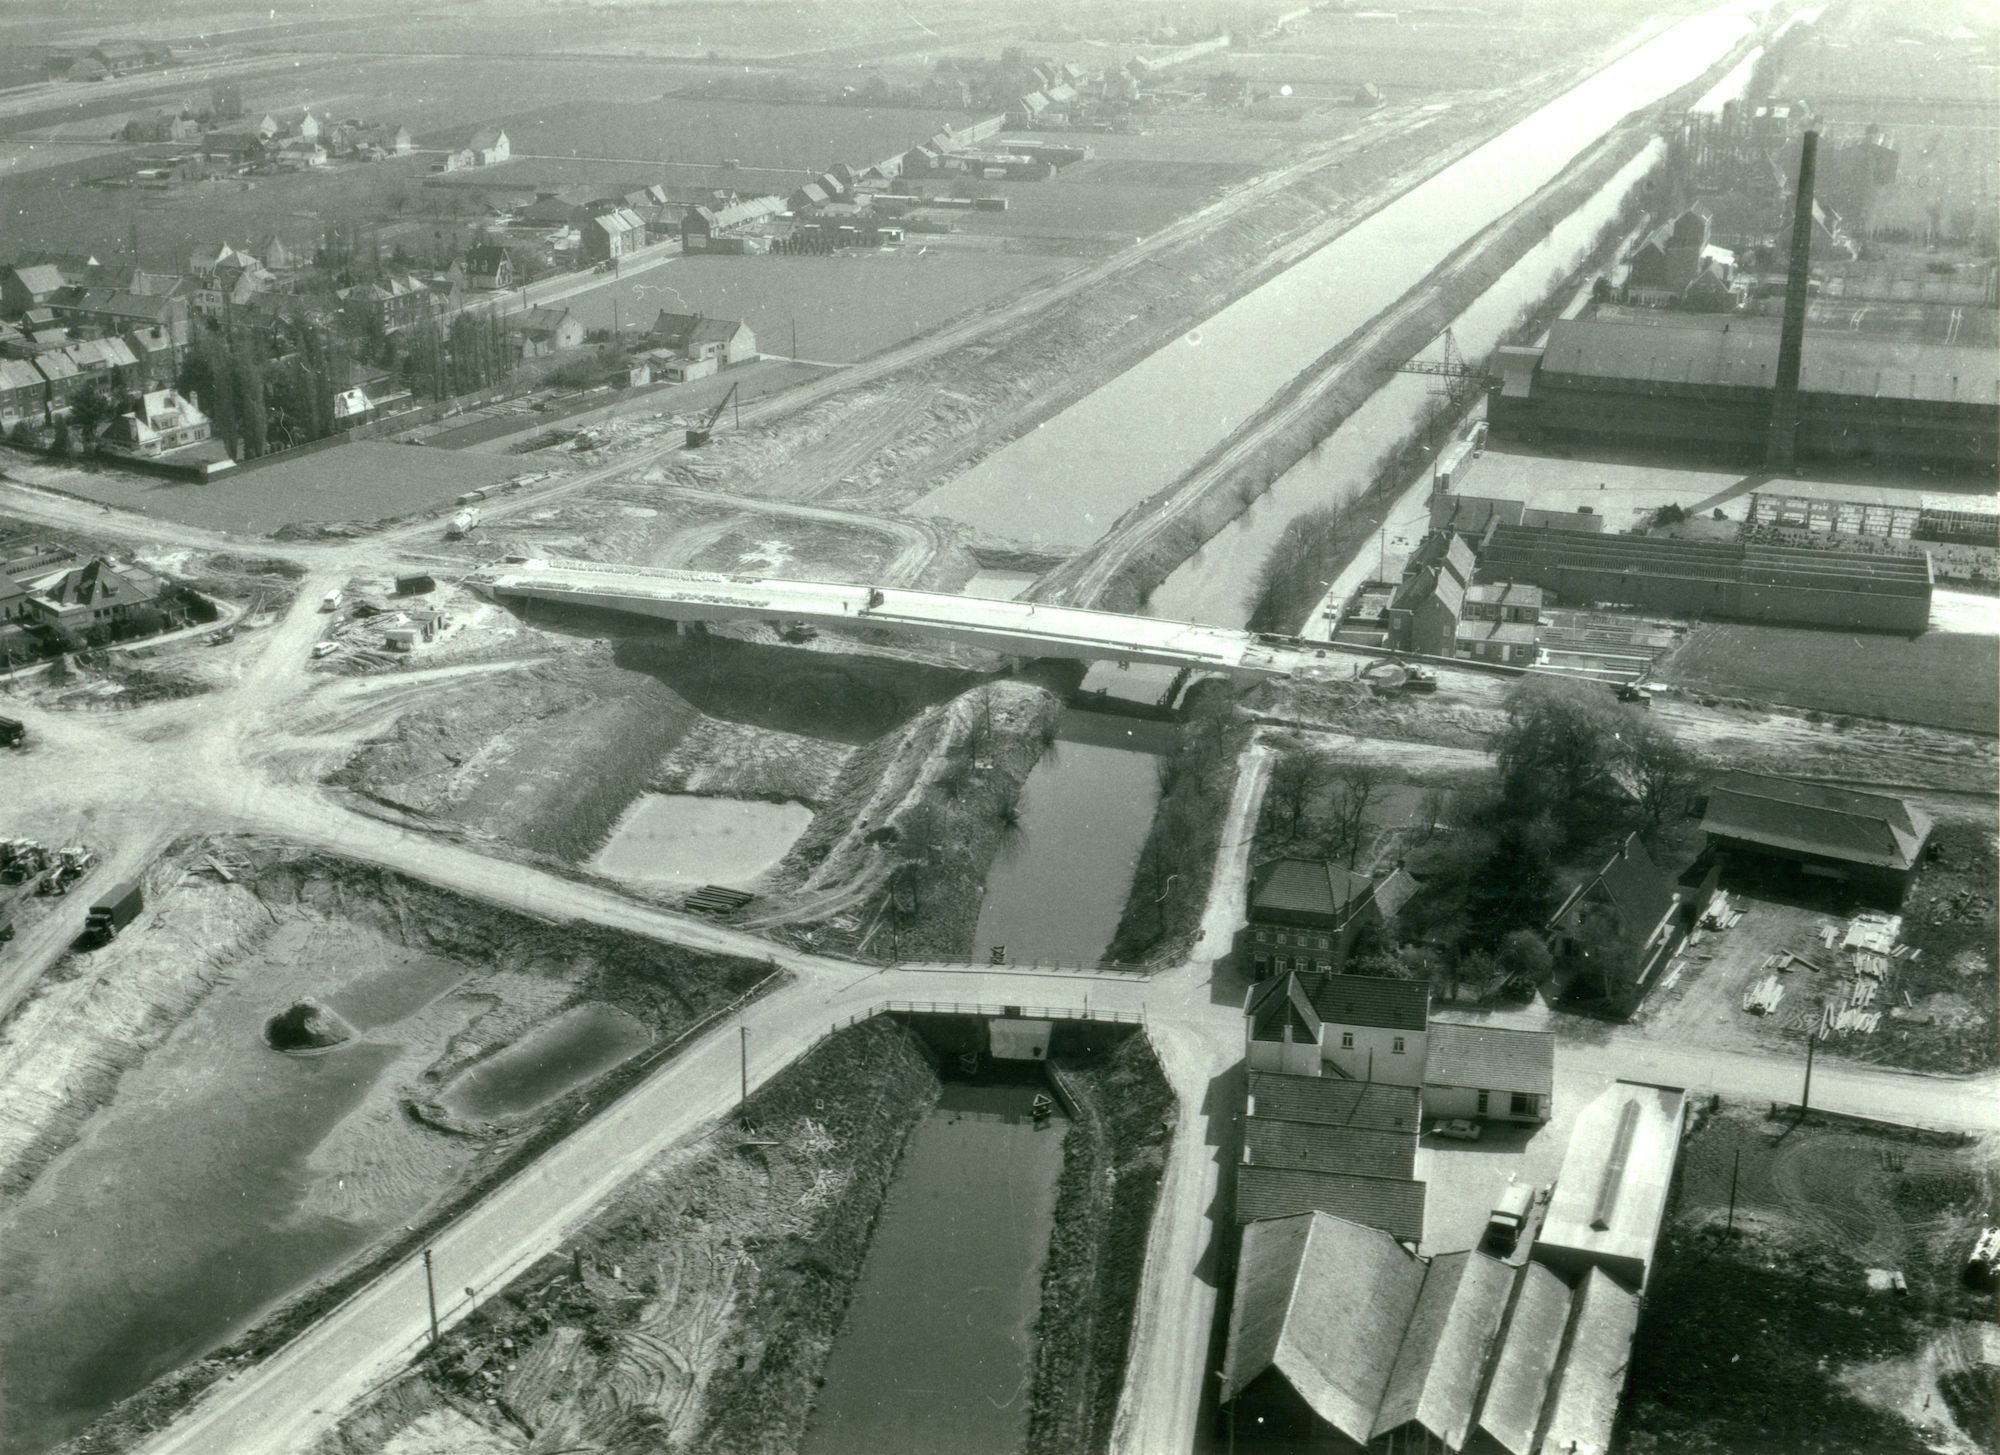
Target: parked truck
[113, 912]
[13, 732]
[1509, 1219]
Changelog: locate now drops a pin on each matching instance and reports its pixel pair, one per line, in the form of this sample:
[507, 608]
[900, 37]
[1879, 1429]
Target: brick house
[538, 332]
[1499, 621]
[489, 267]
[609, 235]
[1618, 929]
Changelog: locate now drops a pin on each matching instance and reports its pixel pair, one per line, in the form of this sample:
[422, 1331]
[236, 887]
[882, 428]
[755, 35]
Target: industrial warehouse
[1705, 385]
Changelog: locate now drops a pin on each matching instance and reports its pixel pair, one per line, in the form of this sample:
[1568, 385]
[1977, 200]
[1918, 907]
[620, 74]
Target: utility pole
[1734, 1168]
[430, 1289]
[744, 1101]
[795, 338]
[1805, 1097]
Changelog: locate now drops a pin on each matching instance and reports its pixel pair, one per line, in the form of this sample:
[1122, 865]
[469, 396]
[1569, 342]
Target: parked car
[330, 601]
[222, 637]
[1458, 1129]
[324, 649]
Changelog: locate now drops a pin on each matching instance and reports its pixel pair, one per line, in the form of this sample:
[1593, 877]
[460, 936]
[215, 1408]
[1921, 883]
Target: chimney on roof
[1781, 445]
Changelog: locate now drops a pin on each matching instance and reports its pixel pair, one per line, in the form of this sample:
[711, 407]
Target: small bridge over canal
[1014, 628]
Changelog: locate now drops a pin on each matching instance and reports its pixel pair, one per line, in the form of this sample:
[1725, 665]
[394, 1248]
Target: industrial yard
[787, 729]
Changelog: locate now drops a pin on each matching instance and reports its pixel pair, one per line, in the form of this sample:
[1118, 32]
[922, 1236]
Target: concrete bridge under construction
[1013, 628]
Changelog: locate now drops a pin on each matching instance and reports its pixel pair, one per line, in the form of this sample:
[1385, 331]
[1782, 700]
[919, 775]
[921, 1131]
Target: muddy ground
[1785, 1334]
[168, 1023]
[696, 1311]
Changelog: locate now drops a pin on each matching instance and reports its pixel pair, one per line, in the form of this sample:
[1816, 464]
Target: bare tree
[1431, 812]
[1297, 780]
[1664, 773]
[1354, 785]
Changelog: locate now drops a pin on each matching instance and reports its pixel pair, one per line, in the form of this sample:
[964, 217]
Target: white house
[1365, 1027]
[163, 421]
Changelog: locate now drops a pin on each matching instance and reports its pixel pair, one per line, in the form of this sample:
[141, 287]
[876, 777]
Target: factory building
[1725, 580]
[1705, 385]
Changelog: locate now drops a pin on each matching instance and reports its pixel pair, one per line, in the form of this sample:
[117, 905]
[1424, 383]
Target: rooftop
[1307, 886]
[1334, 1101]
[1683, 352]
[1611, 1194]
[1373, 1000]
[1491, 1058]
[1839, 823]
[1318, 1147]
[1393, 1204]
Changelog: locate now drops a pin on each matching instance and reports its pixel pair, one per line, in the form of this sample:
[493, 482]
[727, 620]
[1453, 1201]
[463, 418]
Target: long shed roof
[1837, 823]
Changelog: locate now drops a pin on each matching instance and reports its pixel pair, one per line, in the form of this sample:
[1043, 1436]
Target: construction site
[586, 925]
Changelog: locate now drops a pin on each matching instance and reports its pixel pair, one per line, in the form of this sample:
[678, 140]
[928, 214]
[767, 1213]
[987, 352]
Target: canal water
[1063, 484]
[1087, 807]
[937, 1350]
[581, 1043]
[684, 838]
[1217, 584]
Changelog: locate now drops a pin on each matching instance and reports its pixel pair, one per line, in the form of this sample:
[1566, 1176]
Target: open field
[846, 306]
[364, 481]
[1941, 679]
[1775, 1338]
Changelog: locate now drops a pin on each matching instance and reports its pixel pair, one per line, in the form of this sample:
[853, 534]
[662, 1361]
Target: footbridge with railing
[1013, 628]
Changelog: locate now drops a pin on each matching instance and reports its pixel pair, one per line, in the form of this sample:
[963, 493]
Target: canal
[937, 1350]
[1062, 485]
[1057, 893]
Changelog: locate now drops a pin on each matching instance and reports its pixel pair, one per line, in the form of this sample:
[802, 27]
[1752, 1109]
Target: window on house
[1482, 1103]
[1347, 1040]
[1262, 964]
[1326, 967]
[1525, 1104]
[1263, 937]
[1397, 1048]
[1283, 938]
[1321, 942]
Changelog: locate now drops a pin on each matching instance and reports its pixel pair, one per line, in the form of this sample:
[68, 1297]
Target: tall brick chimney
[1781, 444]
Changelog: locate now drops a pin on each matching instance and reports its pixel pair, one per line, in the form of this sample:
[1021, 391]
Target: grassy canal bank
[698, 1309]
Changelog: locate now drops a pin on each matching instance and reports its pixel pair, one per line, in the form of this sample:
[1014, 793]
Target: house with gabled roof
[489, 147]
[1870, 842]
[23, 288]
[1423, 614]
[1617, 930]
[489, 267]
[610, 234]
[696, 337]
[1365, 1027]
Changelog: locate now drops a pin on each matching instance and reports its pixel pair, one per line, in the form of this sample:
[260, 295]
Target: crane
[1457, 375]
[703, 432]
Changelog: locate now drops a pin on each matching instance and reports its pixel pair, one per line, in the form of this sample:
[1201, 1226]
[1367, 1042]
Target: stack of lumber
[1763, 997]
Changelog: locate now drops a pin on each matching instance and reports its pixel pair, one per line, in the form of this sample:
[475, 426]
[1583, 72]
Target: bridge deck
[1013, 627]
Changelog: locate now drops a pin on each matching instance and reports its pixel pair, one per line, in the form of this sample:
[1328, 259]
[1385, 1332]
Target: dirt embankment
[1113, 1159]
[1169, 891]
[445, 981]
[548, 758]
[696, 1311]
[897, 863]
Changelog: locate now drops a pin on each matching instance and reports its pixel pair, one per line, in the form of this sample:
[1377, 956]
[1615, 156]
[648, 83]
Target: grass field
[1942, 679]
[354, 482]
[847, 306]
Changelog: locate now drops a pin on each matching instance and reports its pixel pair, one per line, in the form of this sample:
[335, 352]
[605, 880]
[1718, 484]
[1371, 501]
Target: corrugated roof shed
[1392, 1204]
[1318, 1147]
[1491, 1058]
[1335, 1101]
[1833, 362]
[1584, 1404]
[1323, 1301]
[1867, 828]
[1438, 1368]
[1519, 1386]
[1373, 1000]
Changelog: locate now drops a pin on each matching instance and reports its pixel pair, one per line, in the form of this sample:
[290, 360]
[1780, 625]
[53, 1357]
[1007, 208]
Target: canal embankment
[890, 1238]
[1152, 539]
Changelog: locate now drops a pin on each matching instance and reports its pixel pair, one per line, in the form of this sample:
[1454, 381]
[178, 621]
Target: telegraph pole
[1734, 1168]
[1805, 1096]
[430, 1289]
[744, 1101]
